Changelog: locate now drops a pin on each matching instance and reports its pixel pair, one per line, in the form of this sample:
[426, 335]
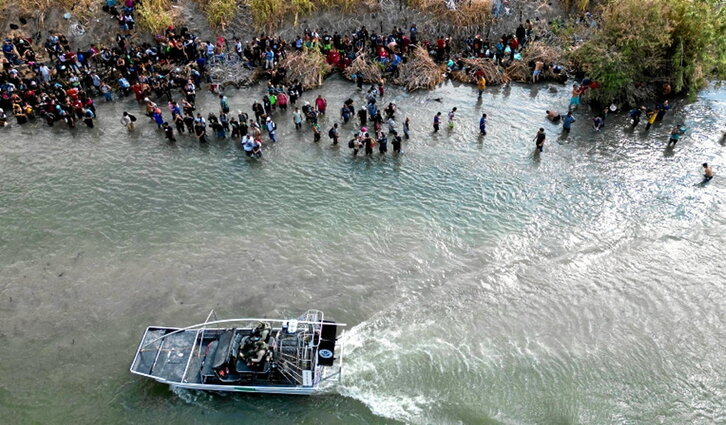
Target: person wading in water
[540, 139]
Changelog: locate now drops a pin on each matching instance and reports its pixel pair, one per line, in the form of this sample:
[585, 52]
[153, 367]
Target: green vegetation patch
[675, 42]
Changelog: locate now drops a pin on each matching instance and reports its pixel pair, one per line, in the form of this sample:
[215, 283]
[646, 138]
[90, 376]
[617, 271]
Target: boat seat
[235, 346]
[222, 355]
[207, 369]
[242, 368]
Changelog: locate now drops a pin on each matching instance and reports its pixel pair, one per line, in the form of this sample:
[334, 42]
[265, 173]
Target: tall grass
[155, 15]
[576, 4]
[474, 12]
[219, 12]
[81, 8]
[268, 14]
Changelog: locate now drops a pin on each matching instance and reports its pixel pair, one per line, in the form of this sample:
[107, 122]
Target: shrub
[675, 41]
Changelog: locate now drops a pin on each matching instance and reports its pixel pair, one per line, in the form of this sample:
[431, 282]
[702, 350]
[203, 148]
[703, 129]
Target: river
[482, 284]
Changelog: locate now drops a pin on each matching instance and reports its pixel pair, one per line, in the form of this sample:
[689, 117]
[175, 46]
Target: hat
[269, 119]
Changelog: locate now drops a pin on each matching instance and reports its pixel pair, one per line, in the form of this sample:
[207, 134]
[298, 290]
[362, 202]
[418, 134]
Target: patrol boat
[254, 356]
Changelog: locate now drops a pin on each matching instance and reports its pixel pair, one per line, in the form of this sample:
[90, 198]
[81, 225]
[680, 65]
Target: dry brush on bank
[272, 14]
[492, 73]
[463, 12]
[361, 66]
[156, 15]
[309, 67]
[420, 71]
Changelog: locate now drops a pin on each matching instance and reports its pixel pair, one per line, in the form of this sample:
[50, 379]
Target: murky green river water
[483, 284]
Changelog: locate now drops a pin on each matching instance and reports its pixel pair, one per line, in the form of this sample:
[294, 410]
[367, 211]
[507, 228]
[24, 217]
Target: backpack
[133, 118]
[351, 143]
[331, 132]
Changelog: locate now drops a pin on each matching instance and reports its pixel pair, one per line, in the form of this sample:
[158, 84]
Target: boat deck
[167, 358]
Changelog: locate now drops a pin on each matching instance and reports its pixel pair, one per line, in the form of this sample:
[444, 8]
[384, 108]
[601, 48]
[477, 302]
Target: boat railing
[201, 340]
[225, 321]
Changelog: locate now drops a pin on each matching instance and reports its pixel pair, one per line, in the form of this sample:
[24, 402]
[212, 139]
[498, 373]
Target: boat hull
[247, 389]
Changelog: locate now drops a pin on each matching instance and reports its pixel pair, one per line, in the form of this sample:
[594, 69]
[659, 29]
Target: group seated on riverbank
[58, 82]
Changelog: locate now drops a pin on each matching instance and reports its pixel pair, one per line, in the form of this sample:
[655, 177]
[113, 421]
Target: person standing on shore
[707, 172]
[538, 66]
[452, 117]
[483, 125]
[540, 139]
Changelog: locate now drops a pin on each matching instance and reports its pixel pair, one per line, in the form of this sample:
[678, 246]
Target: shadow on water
[563, 137]
[669, 151]
[534, 91]
[536, 158]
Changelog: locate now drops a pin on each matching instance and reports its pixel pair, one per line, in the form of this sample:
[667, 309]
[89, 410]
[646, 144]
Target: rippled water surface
[483, 284]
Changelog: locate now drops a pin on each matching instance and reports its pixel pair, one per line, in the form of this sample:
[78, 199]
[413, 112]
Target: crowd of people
[59, 83]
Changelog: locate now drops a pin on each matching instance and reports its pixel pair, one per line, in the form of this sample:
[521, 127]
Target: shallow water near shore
[482, 284]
